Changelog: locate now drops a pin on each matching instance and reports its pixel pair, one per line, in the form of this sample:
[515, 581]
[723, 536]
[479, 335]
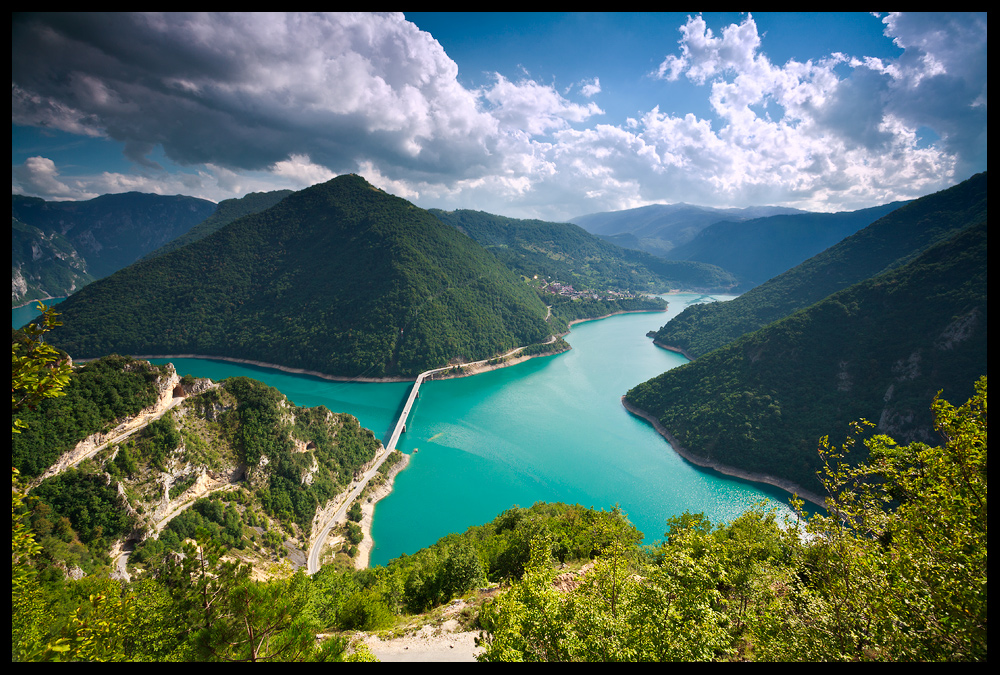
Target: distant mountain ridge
[106, 233]
[114, 230]
[569, 253]
[226, 212]
[888, 243]
[758, 249]
[658, 228]
[340, 278]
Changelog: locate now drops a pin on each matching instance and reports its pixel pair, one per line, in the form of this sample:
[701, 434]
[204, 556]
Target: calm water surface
[550, 429]
[22, 315]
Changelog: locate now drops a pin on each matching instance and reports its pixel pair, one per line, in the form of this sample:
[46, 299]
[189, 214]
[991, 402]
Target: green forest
[226, 212]
[111, 388]
[896, 572]
[887, 243]
[899, 573]
[846, 375]
[570, 254]
[761, 402]
[340, 278]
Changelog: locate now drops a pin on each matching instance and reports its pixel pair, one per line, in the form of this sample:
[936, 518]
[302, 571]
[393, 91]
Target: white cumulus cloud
[260, 101]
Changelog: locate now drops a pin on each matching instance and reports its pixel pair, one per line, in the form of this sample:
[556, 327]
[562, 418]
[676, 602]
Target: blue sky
[526, 115]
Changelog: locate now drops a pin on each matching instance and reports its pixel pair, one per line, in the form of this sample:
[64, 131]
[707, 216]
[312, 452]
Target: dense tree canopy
[340, 278]
[99, 394]
[877, 350]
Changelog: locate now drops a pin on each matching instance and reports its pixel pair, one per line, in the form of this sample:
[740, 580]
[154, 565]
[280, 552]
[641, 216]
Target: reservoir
[548, 429]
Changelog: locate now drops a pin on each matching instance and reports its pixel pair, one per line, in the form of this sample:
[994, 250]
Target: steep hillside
[239, 453]
[887, 243]
[658, 228]
[112, 231]
[227, 211]
[43, 265]
[758, 249]
[879, 350]
[340, 278]
[98, 396]
[570, 254]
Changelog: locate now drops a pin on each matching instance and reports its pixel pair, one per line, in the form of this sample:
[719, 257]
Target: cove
[548, 429]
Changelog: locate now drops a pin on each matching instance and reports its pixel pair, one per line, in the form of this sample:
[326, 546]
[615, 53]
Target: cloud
[704, 55]
[533, 108]
[590, 89]
[941, 79]
[260, 101]
[38, 176]
[247, 91]
[827, 130]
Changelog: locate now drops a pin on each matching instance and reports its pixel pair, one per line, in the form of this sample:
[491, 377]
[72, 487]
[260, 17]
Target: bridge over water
[401, 422]
[312, 564]
[340, 516]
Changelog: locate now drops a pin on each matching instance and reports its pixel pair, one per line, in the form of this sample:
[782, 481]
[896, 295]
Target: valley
[499, 337]
[281, 487]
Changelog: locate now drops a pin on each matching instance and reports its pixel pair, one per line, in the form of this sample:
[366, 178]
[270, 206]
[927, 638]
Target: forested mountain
[43, 265]
[879, 350]
[570, 254]
[340, 278]
[658, 228]
[898, 574]
[756, 250]
[227, 211]
[887, 243]
[108, 232]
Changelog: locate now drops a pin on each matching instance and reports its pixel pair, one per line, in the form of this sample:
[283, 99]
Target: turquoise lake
[549, 429]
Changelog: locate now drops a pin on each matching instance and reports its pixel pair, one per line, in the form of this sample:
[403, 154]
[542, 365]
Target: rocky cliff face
[166, 387]
[57, 247]
[43, 265]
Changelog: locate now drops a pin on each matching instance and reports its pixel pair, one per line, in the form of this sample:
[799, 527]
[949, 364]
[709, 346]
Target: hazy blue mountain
[570, 254]
[760, 248]
[658, 228]
[107, 232]
[889, 242]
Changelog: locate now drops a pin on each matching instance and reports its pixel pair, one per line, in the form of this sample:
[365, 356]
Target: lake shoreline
[380, 492]
[671, 348]
[624, 311]
[41, 300]
[273, 366]
[781, 483]
[465, 372]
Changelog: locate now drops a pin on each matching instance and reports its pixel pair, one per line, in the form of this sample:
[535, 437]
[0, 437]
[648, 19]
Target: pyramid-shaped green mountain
[340, 278]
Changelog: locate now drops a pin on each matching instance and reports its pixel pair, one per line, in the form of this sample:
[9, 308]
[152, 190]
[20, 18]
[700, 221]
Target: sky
[526, 115]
